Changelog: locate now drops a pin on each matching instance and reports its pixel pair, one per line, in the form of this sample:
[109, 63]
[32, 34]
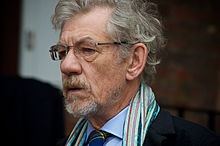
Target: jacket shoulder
[197, 134]
[170, 130]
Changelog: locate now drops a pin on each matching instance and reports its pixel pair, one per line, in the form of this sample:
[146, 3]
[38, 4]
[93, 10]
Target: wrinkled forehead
[92, 24]
[79, 40]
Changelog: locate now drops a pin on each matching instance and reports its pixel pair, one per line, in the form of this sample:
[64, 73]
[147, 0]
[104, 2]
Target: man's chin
[81, 110]
[79, 95]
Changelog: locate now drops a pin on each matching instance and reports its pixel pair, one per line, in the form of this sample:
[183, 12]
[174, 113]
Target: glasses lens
[62, 51]
[53, 53]
[87, 50]
[58, 52]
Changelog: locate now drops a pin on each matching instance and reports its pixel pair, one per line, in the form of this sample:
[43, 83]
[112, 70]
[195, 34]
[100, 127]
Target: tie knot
[97, 138]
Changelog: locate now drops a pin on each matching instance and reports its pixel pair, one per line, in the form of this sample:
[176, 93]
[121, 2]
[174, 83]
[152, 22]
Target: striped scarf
[143, 109]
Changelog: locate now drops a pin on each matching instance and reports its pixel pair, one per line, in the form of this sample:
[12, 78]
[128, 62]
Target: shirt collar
[114, 126]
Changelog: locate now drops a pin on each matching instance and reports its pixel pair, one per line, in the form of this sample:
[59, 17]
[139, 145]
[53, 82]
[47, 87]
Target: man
[108, 51]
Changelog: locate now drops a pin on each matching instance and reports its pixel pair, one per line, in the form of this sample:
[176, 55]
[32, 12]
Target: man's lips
[77, 88]
[74, 89]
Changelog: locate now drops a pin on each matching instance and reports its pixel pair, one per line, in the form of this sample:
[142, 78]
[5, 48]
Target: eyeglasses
[86, 49]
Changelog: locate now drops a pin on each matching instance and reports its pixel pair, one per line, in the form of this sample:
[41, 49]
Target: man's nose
[71, 65]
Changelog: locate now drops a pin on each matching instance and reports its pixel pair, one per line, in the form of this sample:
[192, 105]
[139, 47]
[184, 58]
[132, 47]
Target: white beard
[79, 108]
[82, 110]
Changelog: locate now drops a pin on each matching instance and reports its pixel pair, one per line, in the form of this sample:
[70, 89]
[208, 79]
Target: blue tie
[97, 138]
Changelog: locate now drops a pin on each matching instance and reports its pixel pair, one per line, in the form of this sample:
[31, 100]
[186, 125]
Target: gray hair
[133, 21]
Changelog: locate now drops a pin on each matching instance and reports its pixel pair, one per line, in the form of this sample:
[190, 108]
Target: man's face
[91, 86]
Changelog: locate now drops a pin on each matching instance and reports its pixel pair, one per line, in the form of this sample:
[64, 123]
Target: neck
[105, 113]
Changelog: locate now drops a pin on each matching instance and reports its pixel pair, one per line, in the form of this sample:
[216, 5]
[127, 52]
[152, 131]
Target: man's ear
[137, 62]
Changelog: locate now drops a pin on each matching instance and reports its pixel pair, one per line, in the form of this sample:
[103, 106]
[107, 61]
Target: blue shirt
[115, 126]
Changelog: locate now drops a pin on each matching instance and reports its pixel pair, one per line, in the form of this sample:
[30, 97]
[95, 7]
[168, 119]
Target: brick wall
[189, 74]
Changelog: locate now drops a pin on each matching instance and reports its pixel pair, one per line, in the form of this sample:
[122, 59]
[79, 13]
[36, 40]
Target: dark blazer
[168, 130]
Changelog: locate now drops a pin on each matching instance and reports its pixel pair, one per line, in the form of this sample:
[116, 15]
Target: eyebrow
[78, 41]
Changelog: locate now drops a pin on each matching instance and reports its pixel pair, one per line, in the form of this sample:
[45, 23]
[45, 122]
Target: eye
[62, 51]
[62, 54]
[88, 51]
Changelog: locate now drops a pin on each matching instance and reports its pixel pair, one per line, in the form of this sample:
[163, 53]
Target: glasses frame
[52, 48]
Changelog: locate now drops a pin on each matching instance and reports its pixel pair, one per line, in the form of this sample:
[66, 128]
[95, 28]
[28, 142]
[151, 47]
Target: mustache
[75, 82]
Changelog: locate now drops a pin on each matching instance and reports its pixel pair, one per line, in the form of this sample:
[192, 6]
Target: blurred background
[188, 80]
